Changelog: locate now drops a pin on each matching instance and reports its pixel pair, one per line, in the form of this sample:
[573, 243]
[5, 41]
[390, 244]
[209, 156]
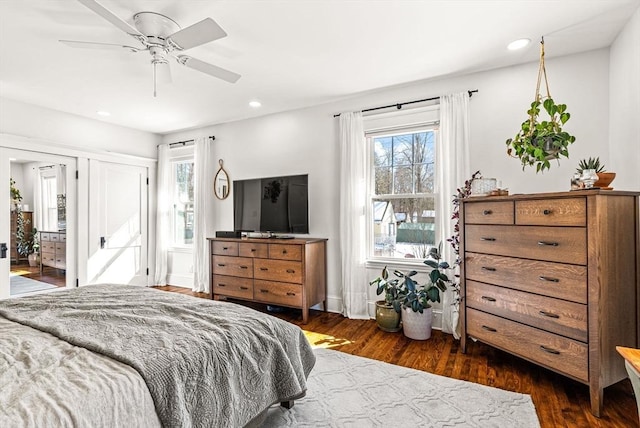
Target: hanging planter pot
[540, 141]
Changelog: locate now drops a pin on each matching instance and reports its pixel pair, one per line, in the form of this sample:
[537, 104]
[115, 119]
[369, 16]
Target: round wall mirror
[221, 183]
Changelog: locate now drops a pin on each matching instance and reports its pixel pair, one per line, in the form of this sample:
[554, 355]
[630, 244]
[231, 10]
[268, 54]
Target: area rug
[348, 391]
[21, 285]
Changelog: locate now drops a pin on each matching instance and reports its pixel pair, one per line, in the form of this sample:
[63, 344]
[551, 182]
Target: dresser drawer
[225, 248]
[47, 247]
[233, 286]
[285, 252]
[61, 261]
[61, 247]
[63, 237]
[252, 249]
[554, 315]
[233, 266]
[45, 236]
[278, 270]
[552, 212]
[54, 237]
[562, 281]
[558, 353]
[48, 259]
[278, 293]
[554, 244]
[498, 212]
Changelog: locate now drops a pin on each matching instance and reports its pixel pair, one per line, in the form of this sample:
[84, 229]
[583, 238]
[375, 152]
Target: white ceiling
[290, 53]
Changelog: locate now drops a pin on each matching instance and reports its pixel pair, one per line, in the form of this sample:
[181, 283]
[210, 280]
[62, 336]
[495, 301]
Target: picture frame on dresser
[554, 278]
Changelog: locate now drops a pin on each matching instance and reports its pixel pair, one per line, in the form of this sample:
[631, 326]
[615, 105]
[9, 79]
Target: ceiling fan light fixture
[518, 44]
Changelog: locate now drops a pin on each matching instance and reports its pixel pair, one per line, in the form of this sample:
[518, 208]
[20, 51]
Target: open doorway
[38, 245]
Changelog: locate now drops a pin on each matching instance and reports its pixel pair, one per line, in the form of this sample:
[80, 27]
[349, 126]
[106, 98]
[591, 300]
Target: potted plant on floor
[386, 316]
[27, 244]
[604, 177]
[413, 300]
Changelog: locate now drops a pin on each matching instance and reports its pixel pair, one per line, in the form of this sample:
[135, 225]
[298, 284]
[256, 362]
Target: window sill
[415, 264]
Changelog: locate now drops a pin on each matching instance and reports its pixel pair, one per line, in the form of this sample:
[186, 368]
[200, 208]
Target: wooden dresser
[28, 217]
[53, 250]
[553, 278]
[289, 272]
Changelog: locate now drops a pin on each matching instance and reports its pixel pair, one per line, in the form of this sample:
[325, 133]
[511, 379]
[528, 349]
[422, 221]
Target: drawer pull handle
[488, 298]
[549, 350]
[546, 278]
[284, 251]
[253, 250]
[222, 285]
[490, 269]
[262, 290]
[491, 329]
[291, 271]
[244, 288]
[487, 239]
[290, 294]
[225, 248]
[244, 267]
[221, 264]
[549, 314]
[264, 268]
[547, 212]
[487, 212]
[548, 244]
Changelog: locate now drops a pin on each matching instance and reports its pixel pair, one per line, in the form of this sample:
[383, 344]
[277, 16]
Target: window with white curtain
[182, 220]
[49, 199]
[402, 212]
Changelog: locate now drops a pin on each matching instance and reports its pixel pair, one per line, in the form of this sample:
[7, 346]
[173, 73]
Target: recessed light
[103, 113]
[518, 44]
[255, 104]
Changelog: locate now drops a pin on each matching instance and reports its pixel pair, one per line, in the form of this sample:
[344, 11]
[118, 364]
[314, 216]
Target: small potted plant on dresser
[413, 301]
[604, 177]
[386, 316]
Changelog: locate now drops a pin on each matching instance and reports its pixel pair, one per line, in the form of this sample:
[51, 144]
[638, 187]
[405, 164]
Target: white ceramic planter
[417, 325]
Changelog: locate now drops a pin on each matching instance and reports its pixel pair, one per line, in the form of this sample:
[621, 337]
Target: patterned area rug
[21, 285]
[355, 392]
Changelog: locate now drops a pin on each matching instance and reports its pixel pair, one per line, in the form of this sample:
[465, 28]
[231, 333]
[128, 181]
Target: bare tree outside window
[183, 203]
[403, 204]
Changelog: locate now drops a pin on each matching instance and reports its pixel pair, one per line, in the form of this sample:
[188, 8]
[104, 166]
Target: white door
[118, 235]
[6, 156]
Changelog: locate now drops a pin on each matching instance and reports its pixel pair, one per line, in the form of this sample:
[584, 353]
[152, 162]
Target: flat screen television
[273, 204]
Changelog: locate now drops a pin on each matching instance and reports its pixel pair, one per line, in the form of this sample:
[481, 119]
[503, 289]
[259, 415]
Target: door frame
[83, 156]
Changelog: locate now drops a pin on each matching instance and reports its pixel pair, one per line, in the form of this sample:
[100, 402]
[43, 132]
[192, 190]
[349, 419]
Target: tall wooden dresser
[553, 278]
[28, 217]
[279, 272]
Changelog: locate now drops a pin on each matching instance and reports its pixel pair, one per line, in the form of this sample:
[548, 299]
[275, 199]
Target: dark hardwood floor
[49, 275]
[559, 401]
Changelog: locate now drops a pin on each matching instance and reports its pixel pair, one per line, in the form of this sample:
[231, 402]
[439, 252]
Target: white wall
[39, 123]
[305, 141]
[624, 99]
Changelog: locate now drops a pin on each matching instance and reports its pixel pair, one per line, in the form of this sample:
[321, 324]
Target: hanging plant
[540, 141]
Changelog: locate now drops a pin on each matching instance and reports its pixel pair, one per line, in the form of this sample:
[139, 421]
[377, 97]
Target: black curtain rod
[184, 143]
[399, 105]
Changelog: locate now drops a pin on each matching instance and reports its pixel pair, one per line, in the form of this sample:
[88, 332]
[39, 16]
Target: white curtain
[452, 170]
[203, 192]
[163, 212]
[353, 155]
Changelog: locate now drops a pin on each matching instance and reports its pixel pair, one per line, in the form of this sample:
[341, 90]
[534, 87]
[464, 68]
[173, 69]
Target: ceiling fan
[162, 37]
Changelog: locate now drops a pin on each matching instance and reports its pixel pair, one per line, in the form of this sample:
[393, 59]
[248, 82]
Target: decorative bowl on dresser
[553, 278]
[279, 272]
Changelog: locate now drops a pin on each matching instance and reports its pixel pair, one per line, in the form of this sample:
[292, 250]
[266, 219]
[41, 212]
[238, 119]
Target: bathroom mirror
[221, 183]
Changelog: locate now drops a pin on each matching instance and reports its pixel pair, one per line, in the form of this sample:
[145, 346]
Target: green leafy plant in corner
[388, 287]
[540, 141]
[417, 297]
[25, 244]
[15, 192]
[591, 163]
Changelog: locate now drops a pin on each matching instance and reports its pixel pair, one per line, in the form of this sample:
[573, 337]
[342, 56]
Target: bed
[116, 355]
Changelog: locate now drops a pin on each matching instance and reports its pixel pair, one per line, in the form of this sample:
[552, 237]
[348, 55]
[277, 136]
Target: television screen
[274, 204]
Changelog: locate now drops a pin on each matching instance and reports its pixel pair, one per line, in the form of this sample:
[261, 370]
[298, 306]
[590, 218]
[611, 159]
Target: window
[49, 199]
[402, 214]
[182, 197]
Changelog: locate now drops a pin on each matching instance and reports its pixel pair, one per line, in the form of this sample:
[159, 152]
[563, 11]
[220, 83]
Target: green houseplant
[27, 243]
[540, 141]
[16, 197]
[413, 299]
[386, 316]
[604, 177]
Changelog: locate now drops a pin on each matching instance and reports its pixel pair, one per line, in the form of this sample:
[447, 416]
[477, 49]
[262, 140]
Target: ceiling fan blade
[197, 34]
[210, 69]
[112, 18]
[97, 45]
